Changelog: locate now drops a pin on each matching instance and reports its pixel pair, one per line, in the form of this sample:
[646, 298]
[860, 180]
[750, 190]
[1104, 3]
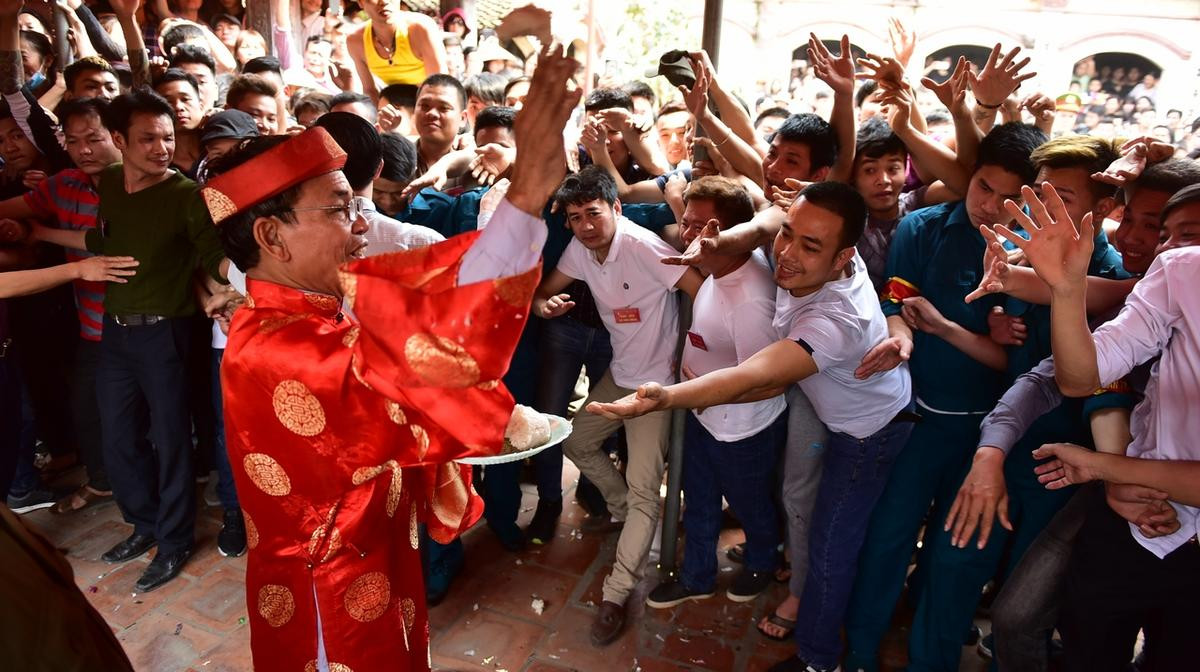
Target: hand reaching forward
[1058, 252]
[491, 162]
[784, 198]
[649, 397]
[1136, 154]
[556, 305]
[903, 41]
[995, 267]
[889, 354]
[1000, 77]
[106, 269]
[1068, 464]
[953, 92]
[838, 72]
[884, 70]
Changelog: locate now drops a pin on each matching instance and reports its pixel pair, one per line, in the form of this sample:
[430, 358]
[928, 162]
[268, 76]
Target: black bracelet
[985, 106]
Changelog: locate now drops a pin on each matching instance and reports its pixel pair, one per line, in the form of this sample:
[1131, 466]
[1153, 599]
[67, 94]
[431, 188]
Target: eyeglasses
[352, 210]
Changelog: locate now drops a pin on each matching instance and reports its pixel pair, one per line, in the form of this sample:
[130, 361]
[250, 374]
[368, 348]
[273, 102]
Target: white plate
[560, 429]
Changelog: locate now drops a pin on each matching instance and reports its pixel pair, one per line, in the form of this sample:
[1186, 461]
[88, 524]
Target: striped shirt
[69, 200]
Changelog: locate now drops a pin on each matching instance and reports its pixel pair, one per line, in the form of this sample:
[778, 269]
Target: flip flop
[80, 499]
[775, 619]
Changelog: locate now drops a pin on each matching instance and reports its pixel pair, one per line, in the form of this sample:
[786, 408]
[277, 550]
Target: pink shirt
[1161, 316]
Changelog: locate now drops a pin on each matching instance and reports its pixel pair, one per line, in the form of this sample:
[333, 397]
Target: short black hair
[1009, 146]
[261, 64]
[309, 99]
[244, 85]
[399, 157]
[359, 139]
[590, 184]
[605, 99]
[237, 232]
[122, 109]
[190, 53]
[178, 34]
[446, 81]
[638, 89]
[495, 115]
[868, 87]
[1169, 176]
[487, 87]
[777, 112]
[844, 201]
[1185, 196]
[400, 95]
[813, 132]
[176, 75]
[81, 107]
[75, 70]
[938, 117]
[352, 97]
[876, 139]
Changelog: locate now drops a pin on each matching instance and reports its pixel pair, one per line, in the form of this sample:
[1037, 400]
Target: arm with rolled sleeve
[1032, 395]
[511, 244]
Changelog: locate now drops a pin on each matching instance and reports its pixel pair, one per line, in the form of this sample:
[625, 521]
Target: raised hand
[982, 498]
[649, 397]
[124, 8]
[702, 252]
[889, 354]
[898, 107]
[889, 72]
[1136, 154]
[616, 118]
[1056, 250]
[389, 118]
[106, 269]
[837, 72]
[784, 198]
[541, 162]
[995, 267]
[1039, 105]
[556, 305]
[1000, 77]
[594, 137]
[903, 41]
[435, 177]
[491, 162]
[953, 92]
[696, 98]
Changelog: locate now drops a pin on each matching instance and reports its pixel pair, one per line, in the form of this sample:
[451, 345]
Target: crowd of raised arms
[943, 344]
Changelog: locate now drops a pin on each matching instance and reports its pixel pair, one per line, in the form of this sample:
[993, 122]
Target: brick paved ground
[198, 621]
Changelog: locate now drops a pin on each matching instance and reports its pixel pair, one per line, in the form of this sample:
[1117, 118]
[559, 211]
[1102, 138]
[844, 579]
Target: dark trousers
[226, 490]
[854, 476]
[1115, 587]
[86, 412]
[142, 377]
[199, 386]
[1026, 610]
[10, 419]
[743, 472]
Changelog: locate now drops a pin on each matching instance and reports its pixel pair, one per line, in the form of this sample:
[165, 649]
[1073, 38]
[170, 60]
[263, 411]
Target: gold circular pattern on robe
[349, 283]
[298, 409]
[408, 609]
[311, 666]
[395, 413]
[451, 497]
[440, 361]
[251, 531]
[517, 290]
[266, 473]
[368, 597]
[422, 438]
[275, 604]
[323, 302]
[351, 337]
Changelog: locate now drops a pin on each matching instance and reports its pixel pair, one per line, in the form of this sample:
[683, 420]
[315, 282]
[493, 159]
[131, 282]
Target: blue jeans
[567, 346]
[854, 476]
[226, 491]
[743, 472]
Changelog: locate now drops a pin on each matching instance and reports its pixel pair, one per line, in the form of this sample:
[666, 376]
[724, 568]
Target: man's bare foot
[779, 624]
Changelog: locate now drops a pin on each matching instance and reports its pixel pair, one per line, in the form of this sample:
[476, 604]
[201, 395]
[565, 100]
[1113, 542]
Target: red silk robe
[341, 433]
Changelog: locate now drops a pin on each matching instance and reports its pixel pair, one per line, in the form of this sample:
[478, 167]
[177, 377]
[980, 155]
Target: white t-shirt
[838, 324]
[731, 320]
[633, 290]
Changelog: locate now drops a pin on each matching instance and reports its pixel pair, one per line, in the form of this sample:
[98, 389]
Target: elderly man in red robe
[350, 387]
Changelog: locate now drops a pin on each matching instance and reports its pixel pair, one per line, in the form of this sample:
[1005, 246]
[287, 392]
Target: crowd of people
[887, 363]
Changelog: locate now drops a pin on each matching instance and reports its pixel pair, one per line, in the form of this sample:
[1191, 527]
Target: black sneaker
[671, 593]
[545, 521]
[231, 540]
[32, 501]
[749, 585]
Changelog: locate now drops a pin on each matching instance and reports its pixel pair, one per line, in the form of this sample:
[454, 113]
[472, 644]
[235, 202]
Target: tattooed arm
[11, 71]
[135, 46]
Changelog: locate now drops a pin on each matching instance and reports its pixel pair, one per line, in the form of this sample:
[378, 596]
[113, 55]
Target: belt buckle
[119, 321]
[4, 345]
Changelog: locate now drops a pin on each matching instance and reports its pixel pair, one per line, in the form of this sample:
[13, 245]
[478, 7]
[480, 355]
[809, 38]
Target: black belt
[137, 320]
[906, 416]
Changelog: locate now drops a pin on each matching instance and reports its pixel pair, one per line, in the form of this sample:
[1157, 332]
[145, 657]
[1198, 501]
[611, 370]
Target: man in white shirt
[1119, 580]
[620, 262]
[829, 317]
[732, 450]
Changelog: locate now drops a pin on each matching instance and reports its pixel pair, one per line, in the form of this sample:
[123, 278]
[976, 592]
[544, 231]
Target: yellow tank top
[404, 66]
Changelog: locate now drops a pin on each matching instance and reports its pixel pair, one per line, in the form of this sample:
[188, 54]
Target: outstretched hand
[106, 269]
[995, 267]
[837, 72]
[953, 92]
[1136, 154]
[1068, 464]
[649, 397]
[1000, 77]
[887, 71]
[1056, 250]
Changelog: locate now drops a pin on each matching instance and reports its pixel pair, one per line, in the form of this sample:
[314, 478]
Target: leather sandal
[82, 498]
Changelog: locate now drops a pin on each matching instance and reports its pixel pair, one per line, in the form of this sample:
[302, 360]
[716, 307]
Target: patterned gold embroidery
[219, 205]
[364, 474]
[414, 539]
[276, 323]
[335, 539]
[422, 438]
[323, 302]
[311, 666]
[275, 604]
[516, 290]
[298, 409]
[349, 283]
[251, 531]
[450, 497]
[267, 474]
[437, 360]
[488, 385]
[368, 597]
[351, 337]
[354, 369]
[395, 412]
[408, 609]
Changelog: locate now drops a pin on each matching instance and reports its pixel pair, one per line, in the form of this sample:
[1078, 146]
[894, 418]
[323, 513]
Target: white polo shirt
[633, 291]
[838, 324]
[731, 320]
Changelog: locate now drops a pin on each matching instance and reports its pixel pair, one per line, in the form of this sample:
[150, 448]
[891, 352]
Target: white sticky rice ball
[526, 429]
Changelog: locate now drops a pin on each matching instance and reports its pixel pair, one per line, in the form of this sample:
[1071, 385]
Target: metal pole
[711, 37]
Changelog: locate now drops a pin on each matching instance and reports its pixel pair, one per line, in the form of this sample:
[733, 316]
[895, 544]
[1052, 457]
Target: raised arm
[741, 157]
[105, 46]
[135, 47]
[732, 113]
[998, 80]
[838, 73]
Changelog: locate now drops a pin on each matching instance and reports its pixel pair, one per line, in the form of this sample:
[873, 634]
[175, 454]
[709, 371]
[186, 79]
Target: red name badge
[697, 342]
[627, 315]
